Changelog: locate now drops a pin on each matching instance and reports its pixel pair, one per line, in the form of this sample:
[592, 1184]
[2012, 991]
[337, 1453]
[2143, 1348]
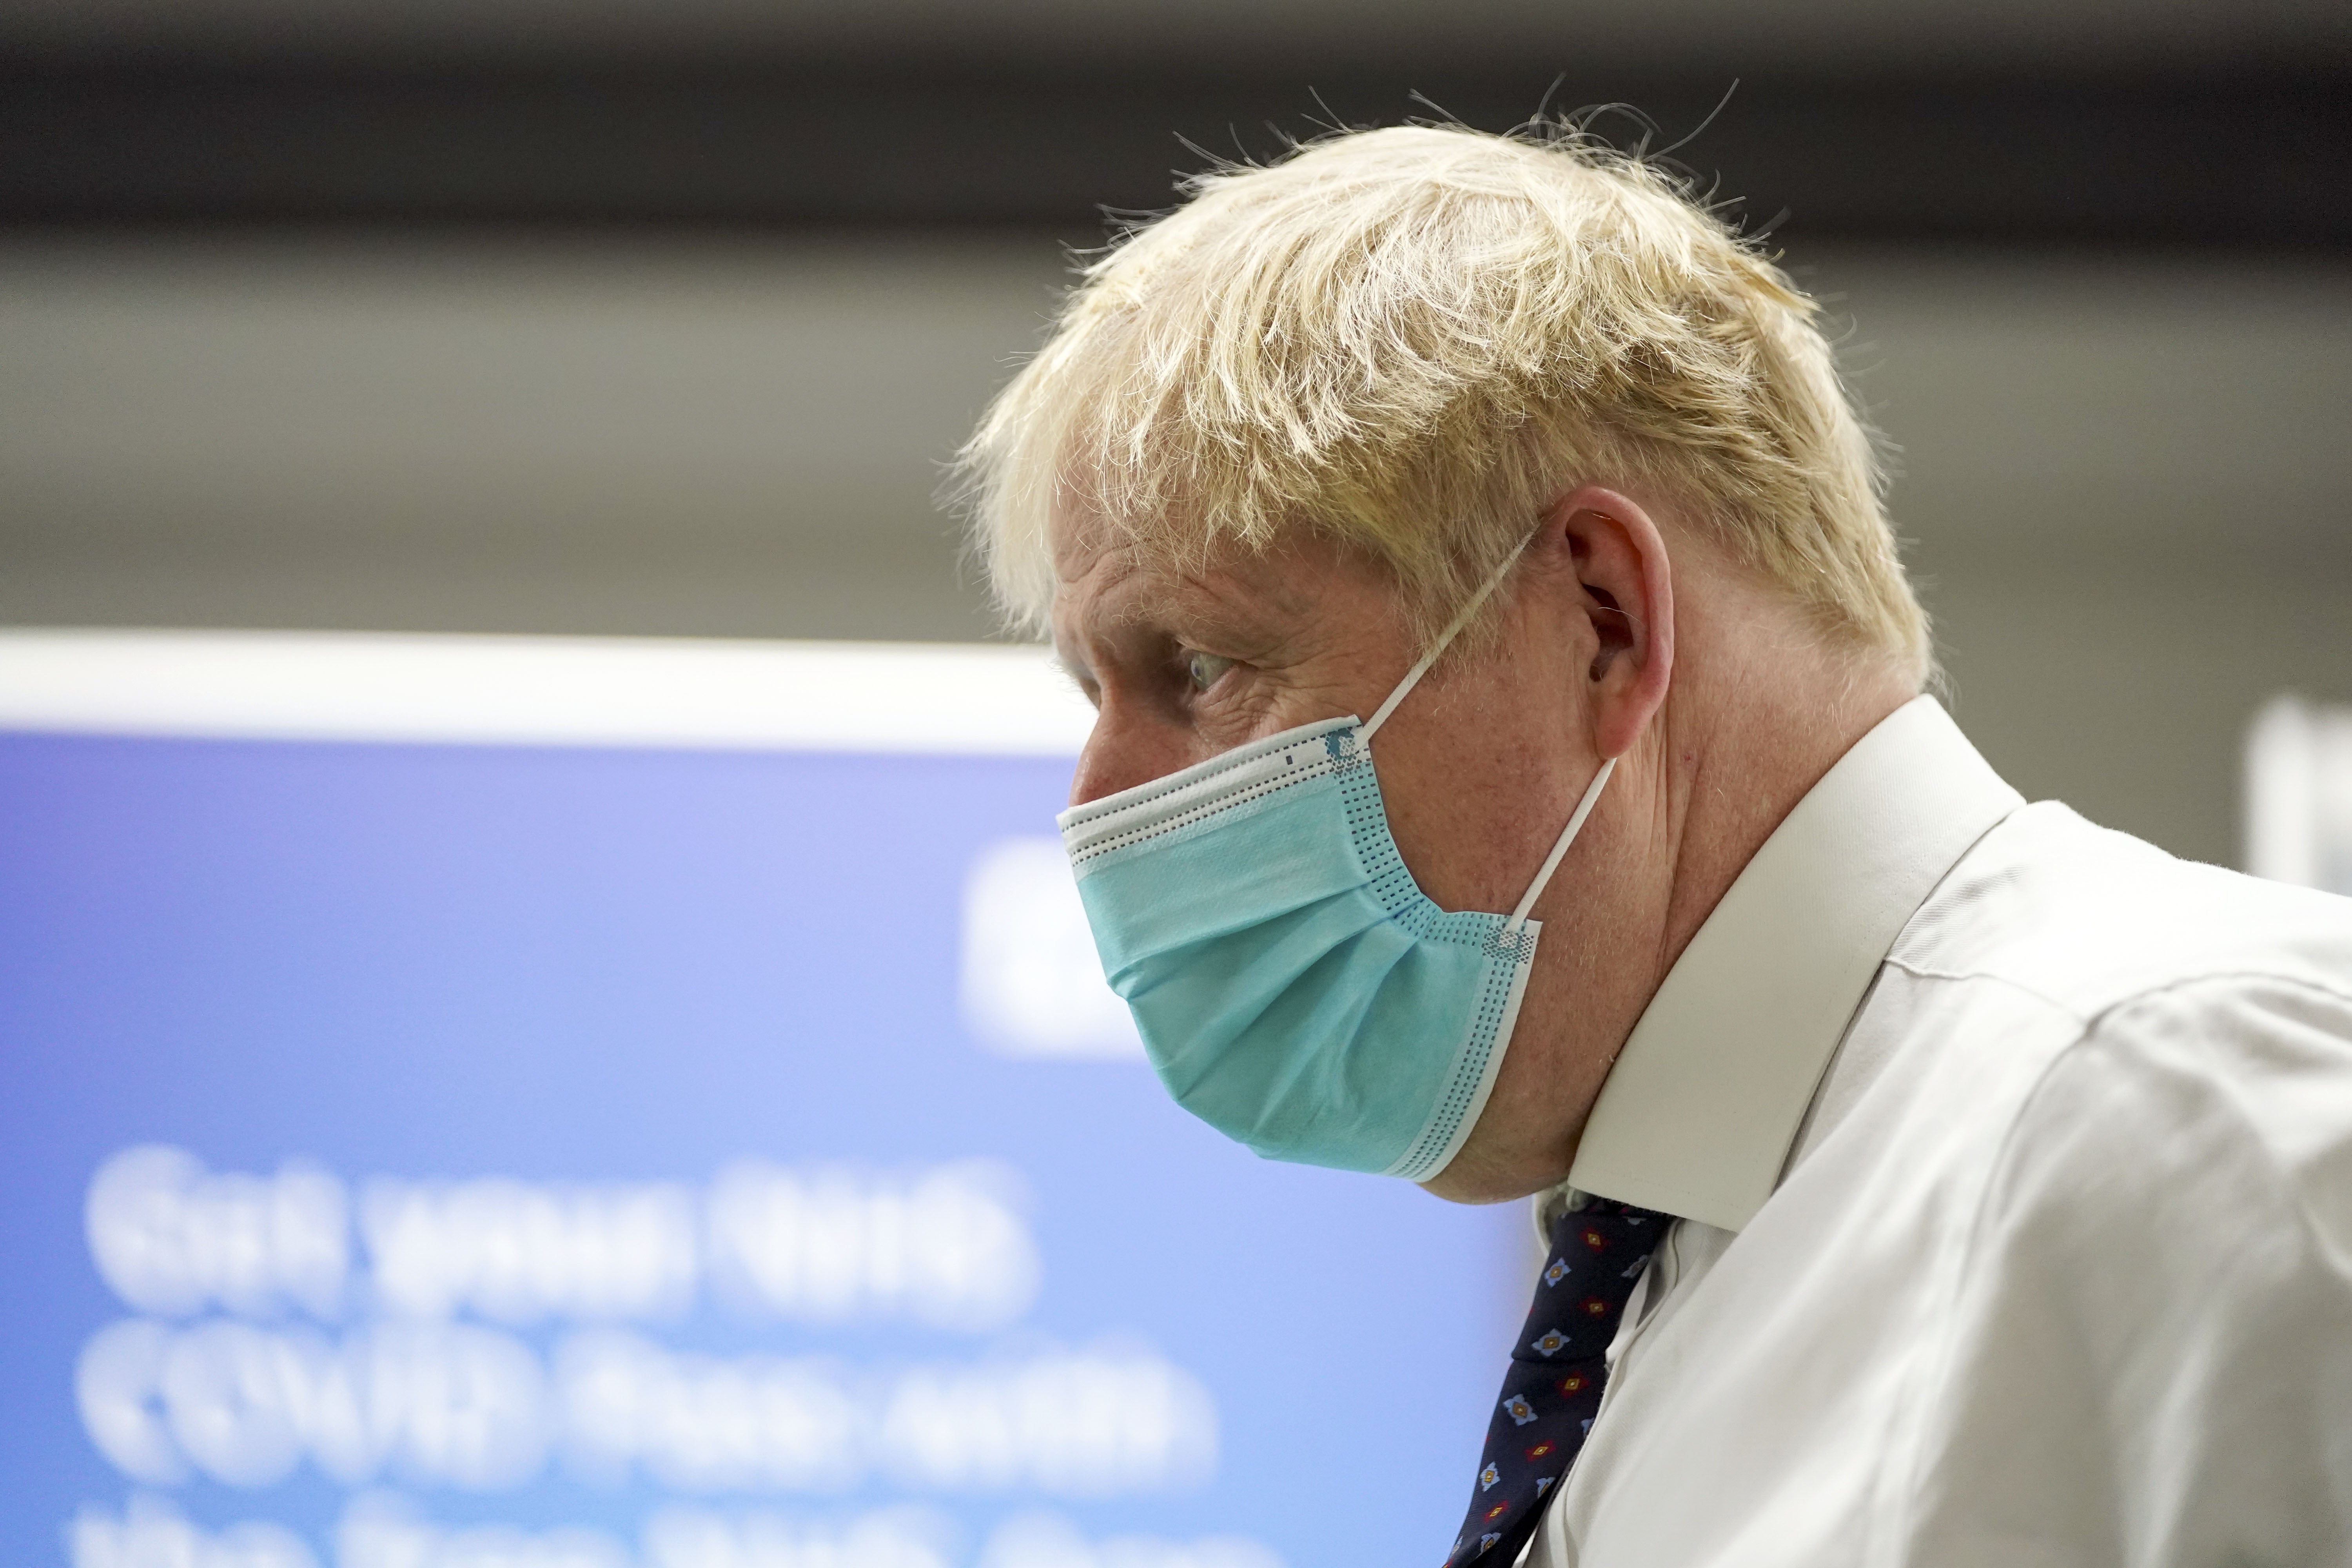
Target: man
[1447, 525]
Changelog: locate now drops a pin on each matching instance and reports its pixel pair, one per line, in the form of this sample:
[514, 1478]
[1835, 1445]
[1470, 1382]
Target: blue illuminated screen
[512, 1157]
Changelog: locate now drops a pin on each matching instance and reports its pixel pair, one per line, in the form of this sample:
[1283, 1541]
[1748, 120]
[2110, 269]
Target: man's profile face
[1478, 767]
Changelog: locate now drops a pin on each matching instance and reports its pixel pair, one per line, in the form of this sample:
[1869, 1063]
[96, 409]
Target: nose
[1125, 748]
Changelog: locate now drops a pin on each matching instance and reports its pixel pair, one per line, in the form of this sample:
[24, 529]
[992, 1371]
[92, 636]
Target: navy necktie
[1553, 1388]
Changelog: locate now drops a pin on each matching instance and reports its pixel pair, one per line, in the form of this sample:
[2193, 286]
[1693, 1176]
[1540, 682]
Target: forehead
[1106, 580]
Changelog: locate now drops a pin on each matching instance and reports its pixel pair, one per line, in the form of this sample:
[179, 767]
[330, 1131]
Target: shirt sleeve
[2151, 1359]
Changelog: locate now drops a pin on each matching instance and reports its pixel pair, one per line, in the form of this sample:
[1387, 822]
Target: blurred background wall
[626, 317]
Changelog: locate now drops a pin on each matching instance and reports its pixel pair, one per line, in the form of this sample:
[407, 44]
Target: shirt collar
[1698, 1114]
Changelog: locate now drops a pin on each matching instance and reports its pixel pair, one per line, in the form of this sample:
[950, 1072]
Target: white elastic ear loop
[1567, 836]
[1452, 630]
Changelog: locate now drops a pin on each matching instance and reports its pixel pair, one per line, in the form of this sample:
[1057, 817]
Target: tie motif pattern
[1553, 1391]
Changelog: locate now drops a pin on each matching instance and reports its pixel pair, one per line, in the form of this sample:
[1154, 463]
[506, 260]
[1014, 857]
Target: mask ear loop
[1453, 629]
[1567, 836]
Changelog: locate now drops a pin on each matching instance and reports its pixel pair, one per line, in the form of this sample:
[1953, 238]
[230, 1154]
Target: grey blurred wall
[2125, 480]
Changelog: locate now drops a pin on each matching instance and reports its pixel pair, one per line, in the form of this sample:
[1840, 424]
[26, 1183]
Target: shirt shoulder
[2155, 1274]
[2151, 1331]
[2088, 919]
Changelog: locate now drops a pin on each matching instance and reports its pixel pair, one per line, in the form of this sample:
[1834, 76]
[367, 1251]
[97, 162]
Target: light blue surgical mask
[1293, 986]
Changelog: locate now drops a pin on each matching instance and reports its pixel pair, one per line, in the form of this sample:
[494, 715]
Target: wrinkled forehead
[1110, 581]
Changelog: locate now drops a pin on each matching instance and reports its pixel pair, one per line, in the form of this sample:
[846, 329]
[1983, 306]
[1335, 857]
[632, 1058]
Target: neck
[1730, 759]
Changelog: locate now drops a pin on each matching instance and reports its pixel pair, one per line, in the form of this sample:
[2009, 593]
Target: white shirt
[2016, 1158]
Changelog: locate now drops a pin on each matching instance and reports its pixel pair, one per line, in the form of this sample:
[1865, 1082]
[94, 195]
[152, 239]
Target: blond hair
[1414, 341]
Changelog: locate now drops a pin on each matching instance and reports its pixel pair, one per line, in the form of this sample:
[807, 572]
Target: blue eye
[1203, 669]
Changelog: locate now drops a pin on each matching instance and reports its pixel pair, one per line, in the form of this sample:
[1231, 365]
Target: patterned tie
[1553, 1388]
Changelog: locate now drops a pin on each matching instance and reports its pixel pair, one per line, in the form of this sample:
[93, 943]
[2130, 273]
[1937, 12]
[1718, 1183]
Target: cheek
[1447, 812]
[1475, 804]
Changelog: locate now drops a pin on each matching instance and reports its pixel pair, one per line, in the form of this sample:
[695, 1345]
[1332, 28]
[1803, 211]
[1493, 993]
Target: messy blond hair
[1414, 341]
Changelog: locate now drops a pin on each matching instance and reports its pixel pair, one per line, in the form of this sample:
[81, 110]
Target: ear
[1628, 588]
